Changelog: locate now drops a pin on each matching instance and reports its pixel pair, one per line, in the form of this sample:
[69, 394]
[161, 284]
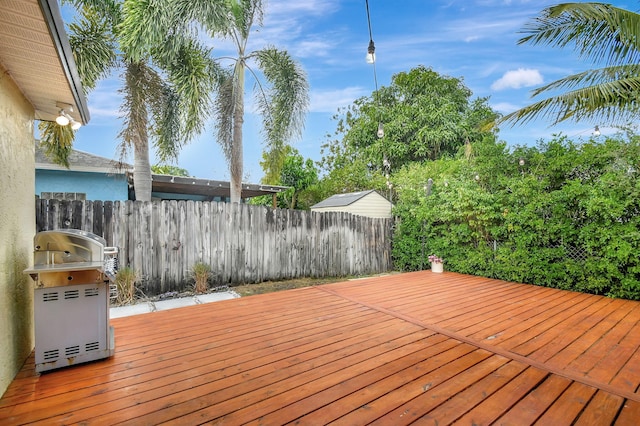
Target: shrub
[567, 217]
[125, 281]
[200, 273]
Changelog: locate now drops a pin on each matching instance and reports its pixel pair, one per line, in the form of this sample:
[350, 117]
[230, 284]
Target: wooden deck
[417, 348]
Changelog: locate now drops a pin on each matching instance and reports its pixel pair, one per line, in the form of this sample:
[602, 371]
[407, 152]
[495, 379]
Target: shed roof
[341, 200]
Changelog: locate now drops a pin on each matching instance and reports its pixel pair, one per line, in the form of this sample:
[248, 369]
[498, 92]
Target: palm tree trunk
[236, 162]
[142, 169]
[236, 156]
[136, 126]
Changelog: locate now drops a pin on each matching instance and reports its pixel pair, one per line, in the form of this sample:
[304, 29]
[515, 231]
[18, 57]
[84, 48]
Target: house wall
[17, 228]
[97, 186]
[159, 196]
[372, 205]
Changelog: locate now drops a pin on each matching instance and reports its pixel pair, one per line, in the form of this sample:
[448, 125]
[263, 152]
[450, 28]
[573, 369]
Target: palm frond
[597, 31]
[284, 105]
[224, 112]
[213, 15]
[194, 75]
[166, 128]
[245, 13]
[611, 96]
[626, 75]
[147, 25]
[56, 141]
[134, 104]
[144, 25]
[94, 48]
[110, 10]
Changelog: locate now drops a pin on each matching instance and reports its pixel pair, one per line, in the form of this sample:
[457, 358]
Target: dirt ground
[271, 286]
[243, 290]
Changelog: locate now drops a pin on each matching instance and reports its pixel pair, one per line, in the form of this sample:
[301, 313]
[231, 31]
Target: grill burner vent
[50, 297]
[71, 294]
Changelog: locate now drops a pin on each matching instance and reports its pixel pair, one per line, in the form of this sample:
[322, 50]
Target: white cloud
[279, 8]
[330, 100]
[312, 48]
[504, 107]
[522, 77]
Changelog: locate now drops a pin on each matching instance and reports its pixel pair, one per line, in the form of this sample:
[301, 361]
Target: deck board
[415, 348]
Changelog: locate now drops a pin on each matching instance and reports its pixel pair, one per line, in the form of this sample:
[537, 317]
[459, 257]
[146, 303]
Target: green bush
[568, 218]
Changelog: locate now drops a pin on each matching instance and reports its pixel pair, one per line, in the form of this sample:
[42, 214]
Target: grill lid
[67, 250]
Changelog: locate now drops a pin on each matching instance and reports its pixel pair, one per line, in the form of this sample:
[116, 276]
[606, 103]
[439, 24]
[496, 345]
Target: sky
[474, 40]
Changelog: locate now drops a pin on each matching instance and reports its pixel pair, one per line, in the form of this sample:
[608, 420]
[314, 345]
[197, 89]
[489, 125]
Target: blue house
[89, 177]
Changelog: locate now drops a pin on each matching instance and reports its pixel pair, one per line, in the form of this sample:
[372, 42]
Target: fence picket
[161, 241]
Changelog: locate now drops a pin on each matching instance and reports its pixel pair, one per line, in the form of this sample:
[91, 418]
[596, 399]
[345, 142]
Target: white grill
[74, 274]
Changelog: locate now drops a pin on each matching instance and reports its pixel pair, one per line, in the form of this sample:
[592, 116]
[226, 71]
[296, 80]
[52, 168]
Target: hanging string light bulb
[371, 59]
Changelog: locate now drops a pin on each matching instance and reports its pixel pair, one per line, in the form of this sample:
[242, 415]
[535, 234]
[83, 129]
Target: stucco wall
[17, 228]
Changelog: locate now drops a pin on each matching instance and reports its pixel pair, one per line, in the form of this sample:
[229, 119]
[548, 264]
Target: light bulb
[371, 58]
[371, 53]
[62, 119]
[75, 125]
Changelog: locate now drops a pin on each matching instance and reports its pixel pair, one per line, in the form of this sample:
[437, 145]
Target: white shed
[364, 203]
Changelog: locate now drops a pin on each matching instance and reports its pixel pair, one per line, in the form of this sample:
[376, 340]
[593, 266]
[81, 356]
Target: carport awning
[209, 188]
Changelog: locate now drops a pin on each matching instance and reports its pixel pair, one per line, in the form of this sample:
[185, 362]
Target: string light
[371, 59]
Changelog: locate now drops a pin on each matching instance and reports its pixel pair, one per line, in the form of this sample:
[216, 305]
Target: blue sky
[475, 40]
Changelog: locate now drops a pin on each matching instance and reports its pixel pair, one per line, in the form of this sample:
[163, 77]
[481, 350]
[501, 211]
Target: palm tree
[166, 85]
[282, 96]
[282, 106]
[603, 34]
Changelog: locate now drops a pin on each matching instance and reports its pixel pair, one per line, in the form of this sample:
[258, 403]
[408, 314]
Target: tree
[282, 105]
[281, 97]
[425, 115]
[598, 32]
[566, 216]
[345, 171]
[166, 84]
[166, 169]
[297, 173]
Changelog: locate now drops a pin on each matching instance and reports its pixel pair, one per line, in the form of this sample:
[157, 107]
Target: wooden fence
[162, 240]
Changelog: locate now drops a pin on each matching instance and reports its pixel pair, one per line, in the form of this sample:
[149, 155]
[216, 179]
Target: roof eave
[53, 18]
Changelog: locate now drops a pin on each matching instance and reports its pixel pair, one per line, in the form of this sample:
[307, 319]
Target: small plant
[125, 281]
[200, 273]
[435, 259]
